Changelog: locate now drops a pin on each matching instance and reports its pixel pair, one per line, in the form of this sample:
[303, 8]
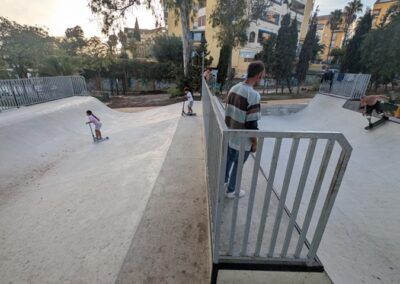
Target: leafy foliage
[352, 59]
[384, 62]
[285, 51]
[232, 18]
[167, 49]
[23, 47]
[350, 15]
[306, 52]
[225, 54]
[267, 55]
[335, 21]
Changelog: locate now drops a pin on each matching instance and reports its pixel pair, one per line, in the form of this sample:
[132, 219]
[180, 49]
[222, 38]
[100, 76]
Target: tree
[306, 53]
[167, 49]
[337, 53]
[197, 64]
[350, 15]
[112, 43]
[74, 40]
[136, 31]
[233, 18]
[223, 64]
[285, 52]
[391, 13]
[24, 47]
[335, 21]
[267, 55]
[317, 48]
[352, 58]
[380, 52]
[113, 10]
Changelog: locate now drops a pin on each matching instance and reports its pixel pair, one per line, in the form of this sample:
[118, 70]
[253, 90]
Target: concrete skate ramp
[362, 240]
[68, 207]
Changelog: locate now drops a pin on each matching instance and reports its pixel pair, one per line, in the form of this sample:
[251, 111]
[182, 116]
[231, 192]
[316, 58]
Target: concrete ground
[72, 211]
[361, 243]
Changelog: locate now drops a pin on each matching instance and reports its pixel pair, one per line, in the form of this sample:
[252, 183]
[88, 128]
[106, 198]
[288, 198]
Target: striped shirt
[242, 112]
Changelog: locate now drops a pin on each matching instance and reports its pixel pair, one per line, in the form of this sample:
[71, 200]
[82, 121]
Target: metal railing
[23, 92]
[350, 86]
[300, 169]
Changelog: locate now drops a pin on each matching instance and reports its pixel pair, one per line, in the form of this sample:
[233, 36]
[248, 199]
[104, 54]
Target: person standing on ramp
[242, 111]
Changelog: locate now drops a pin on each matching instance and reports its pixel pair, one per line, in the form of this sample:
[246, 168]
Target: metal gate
[350, 86]
[292, 182]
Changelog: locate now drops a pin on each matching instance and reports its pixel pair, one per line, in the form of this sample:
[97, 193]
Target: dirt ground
[142, 101]
[138, 103]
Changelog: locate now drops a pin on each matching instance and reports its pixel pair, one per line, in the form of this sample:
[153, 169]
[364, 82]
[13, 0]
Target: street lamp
[202, 55]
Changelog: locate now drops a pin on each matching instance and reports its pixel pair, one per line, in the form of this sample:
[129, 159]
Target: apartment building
[324, 34]
[380, 10]
[257, 32]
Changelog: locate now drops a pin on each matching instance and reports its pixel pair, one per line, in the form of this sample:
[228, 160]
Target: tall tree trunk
[229, 73]
[288, 85]
[186, 38]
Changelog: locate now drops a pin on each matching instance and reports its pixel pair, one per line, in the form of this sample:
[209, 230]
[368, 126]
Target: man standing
[242, 112]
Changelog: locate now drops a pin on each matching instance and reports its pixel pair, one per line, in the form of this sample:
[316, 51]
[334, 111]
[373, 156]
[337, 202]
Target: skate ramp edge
[354, 249]
[69, 207]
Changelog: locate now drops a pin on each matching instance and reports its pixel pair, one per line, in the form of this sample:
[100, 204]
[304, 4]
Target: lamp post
[202, 55]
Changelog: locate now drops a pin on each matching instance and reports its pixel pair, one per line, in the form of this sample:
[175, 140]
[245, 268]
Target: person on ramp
[97, 124]
[189, 98]
[242, 112]
[370, 103]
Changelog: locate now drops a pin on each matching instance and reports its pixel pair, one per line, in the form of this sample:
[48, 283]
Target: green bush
[174, 92]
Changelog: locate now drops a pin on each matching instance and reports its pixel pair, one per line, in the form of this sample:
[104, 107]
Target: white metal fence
[22, 92]
[291, 181]
[351, 86]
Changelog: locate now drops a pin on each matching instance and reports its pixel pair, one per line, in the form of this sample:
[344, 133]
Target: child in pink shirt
[96, 121]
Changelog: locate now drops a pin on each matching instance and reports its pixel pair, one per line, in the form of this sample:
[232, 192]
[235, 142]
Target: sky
[58, 15]
[327, 6]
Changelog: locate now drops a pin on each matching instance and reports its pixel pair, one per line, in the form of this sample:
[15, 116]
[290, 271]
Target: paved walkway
[171, 244]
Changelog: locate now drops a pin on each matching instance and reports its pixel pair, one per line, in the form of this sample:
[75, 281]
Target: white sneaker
[232, 194]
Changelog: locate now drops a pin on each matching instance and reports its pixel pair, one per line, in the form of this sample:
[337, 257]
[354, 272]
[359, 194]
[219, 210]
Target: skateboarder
[370, 103]
[189, 98]
[242, 112]
[97, 124]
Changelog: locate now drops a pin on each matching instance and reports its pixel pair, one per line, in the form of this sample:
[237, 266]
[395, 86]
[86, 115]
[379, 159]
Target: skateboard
[377, 123]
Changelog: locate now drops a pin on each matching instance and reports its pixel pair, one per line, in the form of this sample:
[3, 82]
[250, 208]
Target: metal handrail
[217, 139]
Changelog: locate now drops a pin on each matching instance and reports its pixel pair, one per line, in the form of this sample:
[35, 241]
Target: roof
[323, 17]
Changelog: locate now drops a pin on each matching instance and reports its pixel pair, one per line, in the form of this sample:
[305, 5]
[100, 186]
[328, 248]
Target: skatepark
[133, 209]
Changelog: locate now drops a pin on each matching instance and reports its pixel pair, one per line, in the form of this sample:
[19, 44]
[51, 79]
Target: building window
[263, 35]
[252, 37]
[298, 7]
[198, 36]
[201, 21]
[248, 56]
[271, 17]
[376, 12]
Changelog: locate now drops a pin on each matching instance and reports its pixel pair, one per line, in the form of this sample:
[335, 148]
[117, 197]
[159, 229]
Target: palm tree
[335, 21]
[350, 15]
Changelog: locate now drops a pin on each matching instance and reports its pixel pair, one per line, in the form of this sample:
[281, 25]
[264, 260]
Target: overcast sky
[326, 6]
[58, 15]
